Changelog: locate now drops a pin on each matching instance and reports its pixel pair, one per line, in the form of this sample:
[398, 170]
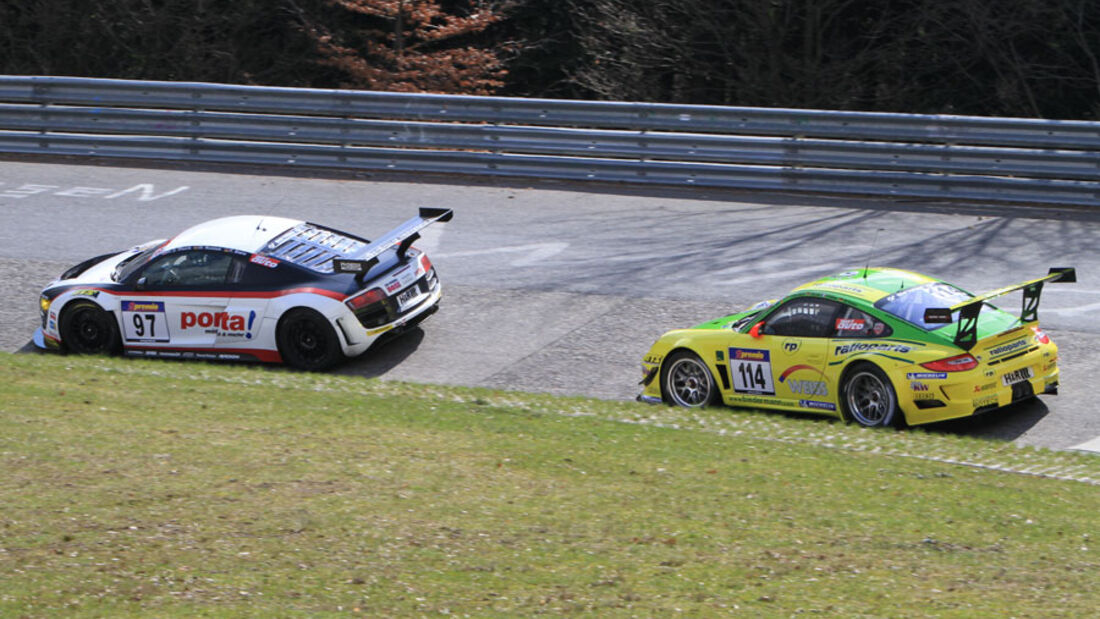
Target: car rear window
[909, 304]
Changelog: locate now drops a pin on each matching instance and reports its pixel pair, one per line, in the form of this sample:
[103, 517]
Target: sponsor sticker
[1005, 349]
[264, 261]
[917, 386]
[825, 406]
[224, 324]
[864, 347]
[850, 324]
[751, 369]
[926, 375]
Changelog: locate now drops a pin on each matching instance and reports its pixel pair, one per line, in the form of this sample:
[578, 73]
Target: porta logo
[226, 323]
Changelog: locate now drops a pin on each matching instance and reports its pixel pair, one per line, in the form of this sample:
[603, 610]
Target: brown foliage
[412, 46]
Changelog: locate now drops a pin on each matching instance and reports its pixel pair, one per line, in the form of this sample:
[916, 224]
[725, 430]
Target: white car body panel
[242, 324]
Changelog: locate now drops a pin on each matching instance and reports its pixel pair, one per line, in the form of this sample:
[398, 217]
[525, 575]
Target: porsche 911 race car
[246, 288]
[873, 345]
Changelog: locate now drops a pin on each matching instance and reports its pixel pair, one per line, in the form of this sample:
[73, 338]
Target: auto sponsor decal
[751, 369]
[86, 293]
[393, 285]
[224, 324]
[918, 386]
[264, 261]
[852, 289]
[791, 346]
[850, 324]
[985, 387]
[926, 375]
[208, 354]
[826, 406]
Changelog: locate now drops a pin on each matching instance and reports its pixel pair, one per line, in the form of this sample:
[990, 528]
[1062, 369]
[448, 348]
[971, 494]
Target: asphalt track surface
[561, 288]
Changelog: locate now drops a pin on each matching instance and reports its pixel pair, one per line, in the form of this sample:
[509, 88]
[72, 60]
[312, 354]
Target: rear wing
[967, 334]
[402, 237]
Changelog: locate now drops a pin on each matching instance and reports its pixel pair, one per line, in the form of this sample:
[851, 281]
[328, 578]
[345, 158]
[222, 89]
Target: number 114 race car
[872, 345]
[246, 288]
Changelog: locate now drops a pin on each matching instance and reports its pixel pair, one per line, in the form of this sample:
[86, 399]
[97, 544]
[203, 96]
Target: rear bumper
[967, 400]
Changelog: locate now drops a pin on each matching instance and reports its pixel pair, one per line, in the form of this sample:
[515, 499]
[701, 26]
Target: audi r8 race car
[873, 345]
[246, 288]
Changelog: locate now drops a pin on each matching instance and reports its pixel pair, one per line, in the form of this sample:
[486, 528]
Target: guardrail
[925, 156]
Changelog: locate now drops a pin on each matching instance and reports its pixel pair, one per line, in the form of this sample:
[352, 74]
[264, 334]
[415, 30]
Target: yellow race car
[877, 346]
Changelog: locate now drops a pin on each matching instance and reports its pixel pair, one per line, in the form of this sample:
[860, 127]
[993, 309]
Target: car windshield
[127, 267]
[909, 305]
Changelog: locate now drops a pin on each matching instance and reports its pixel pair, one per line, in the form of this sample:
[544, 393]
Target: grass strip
[143, 488]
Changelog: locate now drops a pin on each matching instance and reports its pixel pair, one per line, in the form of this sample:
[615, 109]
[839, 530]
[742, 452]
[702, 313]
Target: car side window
[853, 323]
[802, 317]
[188, 269]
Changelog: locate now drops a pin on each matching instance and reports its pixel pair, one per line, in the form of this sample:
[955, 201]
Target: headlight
[43, 303]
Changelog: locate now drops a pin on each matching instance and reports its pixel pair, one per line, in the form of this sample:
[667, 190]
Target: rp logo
[790, 345]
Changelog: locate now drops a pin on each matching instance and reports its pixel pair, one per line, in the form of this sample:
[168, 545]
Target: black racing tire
[868, 398]
[307, 341]
[88, 329]
[686, 381]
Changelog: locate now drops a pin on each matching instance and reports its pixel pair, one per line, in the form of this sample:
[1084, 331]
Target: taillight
[959, 363]
[425, 264]
[373, 295]
[1040, 336]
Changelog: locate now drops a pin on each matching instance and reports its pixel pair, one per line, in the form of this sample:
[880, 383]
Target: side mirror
[140, 284]
[755, 330]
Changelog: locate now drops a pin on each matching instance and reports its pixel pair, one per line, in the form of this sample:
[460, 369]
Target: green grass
[158, 489]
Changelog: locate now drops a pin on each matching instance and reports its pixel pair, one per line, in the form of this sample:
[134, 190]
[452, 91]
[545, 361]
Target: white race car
[246, 288]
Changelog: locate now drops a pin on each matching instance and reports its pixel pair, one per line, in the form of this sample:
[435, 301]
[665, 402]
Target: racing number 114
[752, 371]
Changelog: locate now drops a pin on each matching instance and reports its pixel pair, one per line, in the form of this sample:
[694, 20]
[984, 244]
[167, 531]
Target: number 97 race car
[246, 288]
[872, 345]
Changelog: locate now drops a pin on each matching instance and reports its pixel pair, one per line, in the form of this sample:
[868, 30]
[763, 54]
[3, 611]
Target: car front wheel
[869, 398]
[88, 329]
[307, 341]
[686, 381]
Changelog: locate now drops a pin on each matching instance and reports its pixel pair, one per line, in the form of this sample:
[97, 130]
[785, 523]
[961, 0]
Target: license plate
[411, 293]
[1017, 376]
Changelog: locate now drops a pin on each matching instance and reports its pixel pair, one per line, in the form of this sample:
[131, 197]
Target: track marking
[536, 252]
[1093, 445]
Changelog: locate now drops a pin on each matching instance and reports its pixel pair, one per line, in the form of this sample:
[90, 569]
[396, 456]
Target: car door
[178, 301]
[780, 360]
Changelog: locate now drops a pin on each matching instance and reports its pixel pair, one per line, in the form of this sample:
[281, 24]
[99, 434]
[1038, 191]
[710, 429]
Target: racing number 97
[139, 324]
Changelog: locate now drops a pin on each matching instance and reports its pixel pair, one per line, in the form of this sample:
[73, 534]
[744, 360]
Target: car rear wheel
[869, 398]
[88, 329]
[686, 381]
[307, 341]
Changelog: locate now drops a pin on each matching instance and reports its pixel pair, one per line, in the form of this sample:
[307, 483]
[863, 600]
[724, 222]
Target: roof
[246, 233]
[867, 284]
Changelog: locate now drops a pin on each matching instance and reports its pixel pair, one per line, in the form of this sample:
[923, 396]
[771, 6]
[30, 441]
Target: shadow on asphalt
[383, 356]
[1008, 423]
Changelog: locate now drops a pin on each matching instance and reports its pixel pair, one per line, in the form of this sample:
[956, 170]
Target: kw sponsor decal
[926, 375]
[915, 386]
[222, 323]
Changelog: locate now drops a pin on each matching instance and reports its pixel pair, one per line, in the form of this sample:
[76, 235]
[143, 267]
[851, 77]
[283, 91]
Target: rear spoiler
[402, 236]
[967, 334]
